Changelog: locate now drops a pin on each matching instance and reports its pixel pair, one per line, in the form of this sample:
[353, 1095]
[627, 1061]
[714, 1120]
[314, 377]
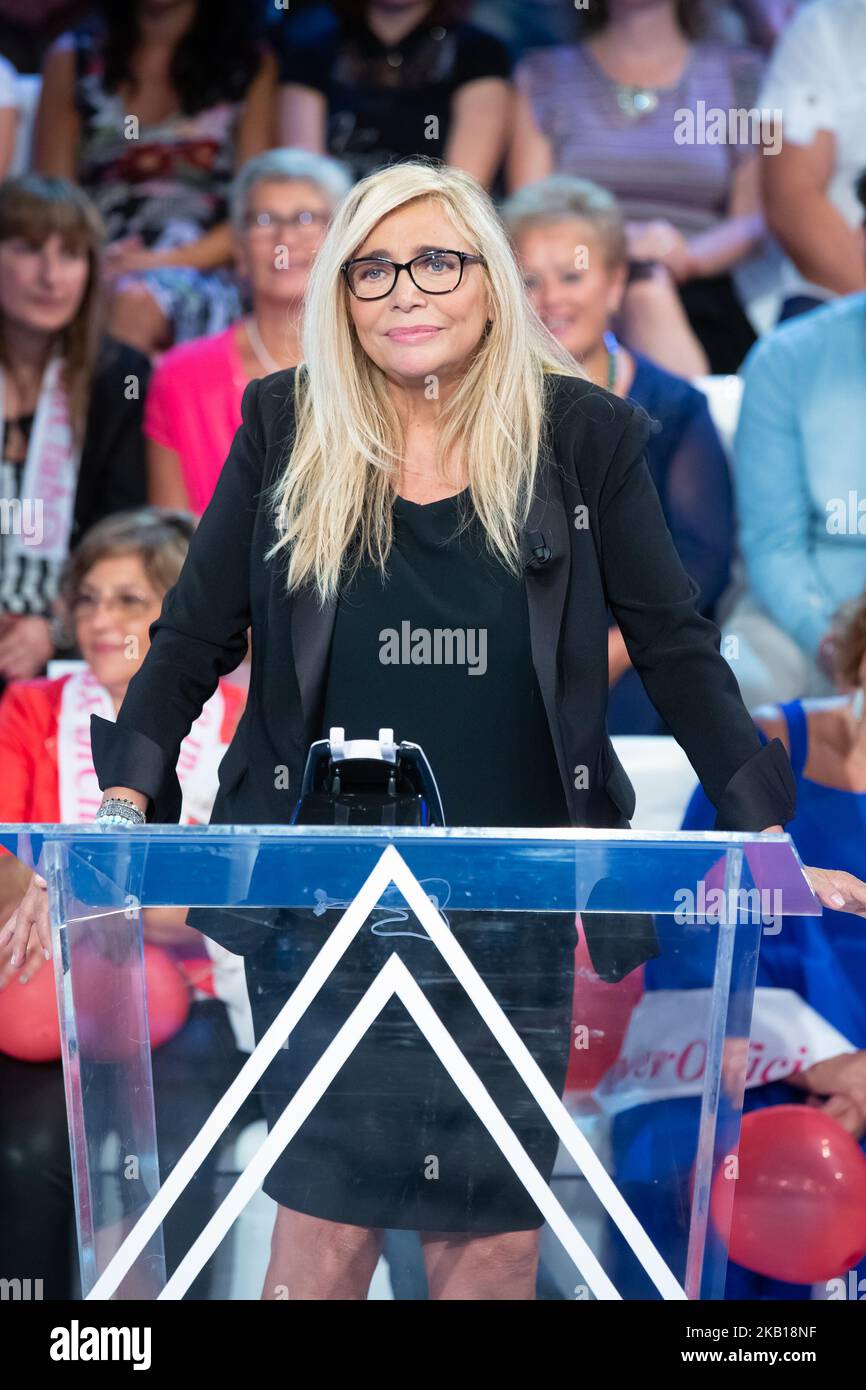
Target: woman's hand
[33, 961]
[838, 889]
[660, 241]
[30, 915]
[833, 887]
[25, 647]
[838, 1087]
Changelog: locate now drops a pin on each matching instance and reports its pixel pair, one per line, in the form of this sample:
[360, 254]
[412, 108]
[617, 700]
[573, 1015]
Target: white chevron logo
[393, 979]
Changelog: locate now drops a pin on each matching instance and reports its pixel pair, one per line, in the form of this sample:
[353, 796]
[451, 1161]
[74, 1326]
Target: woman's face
[569, 282]
[43, 283]
[277, 249]
[412, 335]
[113, 610]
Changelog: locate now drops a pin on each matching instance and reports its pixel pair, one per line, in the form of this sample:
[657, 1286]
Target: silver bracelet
[119, 810]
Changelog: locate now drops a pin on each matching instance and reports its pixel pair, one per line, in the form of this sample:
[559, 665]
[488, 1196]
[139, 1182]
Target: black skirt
[393, 1143]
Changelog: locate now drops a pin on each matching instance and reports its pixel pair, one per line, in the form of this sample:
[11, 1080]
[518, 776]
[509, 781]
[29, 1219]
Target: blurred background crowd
[684, 184]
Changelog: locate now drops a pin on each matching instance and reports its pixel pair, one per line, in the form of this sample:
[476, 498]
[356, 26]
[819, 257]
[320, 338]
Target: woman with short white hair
[440, 459]
[281, 203]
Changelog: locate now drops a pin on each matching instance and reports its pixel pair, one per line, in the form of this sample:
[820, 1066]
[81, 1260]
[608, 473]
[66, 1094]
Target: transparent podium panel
[329, 1063]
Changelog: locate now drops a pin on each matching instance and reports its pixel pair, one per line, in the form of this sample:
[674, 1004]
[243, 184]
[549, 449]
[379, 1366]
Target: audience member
[112, 591]
[281, 203]
[815, 83]
[577, 296]
[72, 404]
[800, 482]
[151, 110]
[618, 108]
[822, 959]
[379, 80]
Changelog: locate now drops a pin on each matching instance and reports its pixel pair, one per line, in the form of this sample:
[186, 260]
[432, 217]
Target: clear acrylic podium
[642, 1217]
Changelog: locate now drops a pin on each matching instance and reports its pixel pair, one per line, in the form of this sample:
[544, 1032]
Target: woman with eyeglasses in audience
[572, 247]
[281, 204]
[112, 591]
[71, 404]
[151, 107]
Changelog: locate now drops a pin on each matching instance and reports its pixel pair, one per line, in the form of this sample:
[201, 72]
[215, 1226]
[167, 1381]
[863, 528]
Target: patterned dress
[167, 183]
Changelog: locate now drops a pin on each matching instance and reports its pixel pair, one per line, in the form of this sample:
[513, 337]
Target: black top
[387, 101]
[111, 474]
[440, 652]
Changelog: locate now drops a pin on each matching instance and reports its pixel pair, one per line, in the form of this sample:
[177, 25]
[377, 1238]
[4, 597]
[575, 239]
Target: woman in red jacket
[112, 591]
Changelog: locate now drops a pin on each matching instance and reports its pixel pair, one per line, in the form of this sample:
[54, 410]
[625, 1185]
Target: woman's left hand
[837, 889]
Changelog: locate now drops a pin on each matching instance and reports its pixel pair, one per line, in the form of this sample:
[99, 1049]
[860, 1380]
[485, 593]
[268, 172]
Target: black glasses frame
[465, 259]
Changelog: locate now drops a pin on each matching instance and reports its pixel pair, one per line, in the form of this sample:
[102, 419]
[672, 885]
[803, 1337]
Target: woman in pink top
[281, 204]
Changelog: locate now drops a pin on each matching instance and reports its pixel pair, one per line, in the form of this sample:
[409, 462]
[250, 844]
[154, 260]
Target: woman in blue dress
[822, 959]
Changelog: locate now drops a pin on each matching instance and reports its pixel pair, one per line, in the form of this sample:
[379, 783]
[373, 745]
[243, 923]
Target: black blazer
[595, 539]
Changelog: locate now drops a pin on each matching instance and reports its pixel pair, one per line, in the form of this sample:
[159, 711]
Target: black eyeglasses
[433, 272]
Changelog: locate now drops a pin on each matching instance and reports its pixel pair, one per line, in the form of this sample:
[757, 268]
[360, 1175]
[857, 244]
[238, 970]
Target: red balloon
[604, 1011]
[109, 1023]
[29, 1026]
[168, 995]
[799, 1210]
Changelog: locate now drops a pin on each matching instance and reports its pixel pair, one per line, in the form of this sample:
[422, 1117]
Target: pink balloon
[799, 1209]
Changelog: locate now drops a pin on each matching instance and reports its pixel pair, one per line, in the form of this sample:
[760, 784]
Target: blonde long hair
[332, 500]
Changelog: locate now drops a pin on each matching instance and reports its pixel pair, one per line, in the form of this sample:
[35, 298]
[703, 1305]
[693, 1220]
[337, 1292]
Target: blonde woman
[431, 402]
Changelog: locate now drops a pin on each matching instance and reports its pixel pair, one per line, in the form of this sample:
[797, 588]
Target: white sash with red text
[197, 764]
[49, 481]
[663, 1055]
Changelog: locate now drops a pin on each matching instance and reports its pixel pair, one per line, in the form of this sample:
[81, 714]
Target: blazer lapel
[546, 548]
[312, 630]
